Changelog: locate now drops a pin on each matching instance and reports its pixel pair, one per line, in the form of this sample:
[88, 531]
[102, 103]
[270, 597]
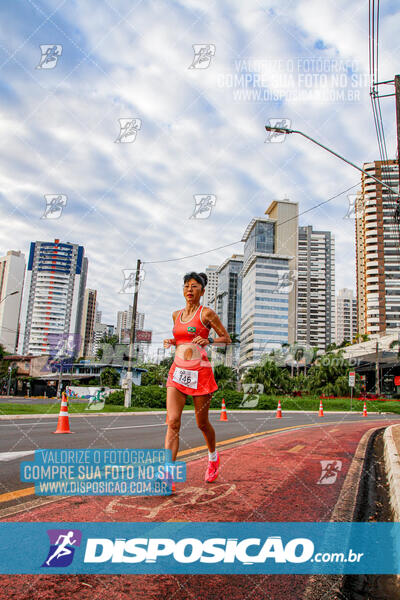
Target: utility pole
[128, 379]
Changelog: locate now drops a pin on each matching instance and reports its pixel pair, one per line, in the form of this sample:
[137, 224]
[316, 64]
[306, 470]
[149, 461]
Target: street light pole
[128, 380]
[286, 130]
[8, 295]
[9, 380]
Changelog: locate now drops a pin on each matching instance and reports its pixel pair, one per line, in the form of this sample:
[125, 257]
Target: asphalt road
[278, 477]
[25, 435]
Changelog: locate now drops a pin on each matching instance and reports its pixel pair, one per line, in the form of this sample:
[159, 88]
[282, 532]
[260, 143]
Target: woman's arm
[212, 319]
[171, 341]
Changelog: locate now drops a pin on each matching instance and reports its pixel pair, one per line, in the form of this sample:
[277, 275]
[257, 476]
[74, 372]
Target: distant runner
[191, 372]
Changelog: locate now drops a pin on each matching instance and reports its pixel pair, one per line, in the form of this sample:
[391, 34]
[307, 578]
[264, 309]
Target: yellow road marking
[243, 437]
[297, 448]
[17, 494]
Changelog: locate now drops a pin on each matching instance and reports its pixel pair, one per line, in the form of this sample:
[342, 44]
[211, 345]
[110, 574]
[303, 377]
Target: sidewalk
[392, 461]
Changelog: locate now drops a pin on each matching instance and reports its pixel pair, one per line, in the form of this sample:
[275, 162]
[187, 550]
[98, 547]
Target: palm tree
[298, 355]
[225, 377]
[393, 344]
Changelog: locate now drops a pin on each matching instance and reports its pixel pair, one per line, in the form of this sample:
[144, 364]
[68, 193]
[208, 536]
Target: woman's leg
[175, 404]
[201, 407]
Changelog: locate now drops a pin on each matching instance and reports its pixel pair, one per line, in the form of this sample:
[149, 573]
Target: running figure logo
[62, 547]
[286, 281]
[129, 282]
[355, 209]
[275, 136]
[50, 55]
[203, 54]
[128, 129]
[329, 471]
[54, 206]
[203, 205]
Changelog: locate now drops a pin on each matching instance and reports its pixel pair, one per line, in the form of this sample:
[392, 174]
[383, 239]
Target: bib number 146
[186, 377]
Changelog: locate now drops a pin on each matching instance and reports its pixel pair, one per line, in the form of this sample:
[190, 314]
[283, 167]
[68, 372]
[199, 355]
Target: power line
[152, 262]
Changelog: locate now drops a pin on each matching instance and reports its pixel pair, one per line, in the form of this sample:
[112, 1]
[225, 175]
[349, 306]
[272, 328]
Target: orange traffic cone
[63, 419]
[365, 414]
[321, 409]
[279, 410]
[224, 416]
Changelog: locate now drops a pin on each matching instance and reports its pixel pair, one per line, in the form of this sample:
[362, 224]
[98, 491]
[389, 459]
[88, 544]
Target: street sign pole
[352, 382]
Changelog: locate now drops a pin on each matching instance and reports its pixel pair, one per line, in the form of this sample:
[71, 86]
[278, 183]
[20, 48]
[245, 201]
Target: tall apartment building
[53, 295]
[346, 316]
[209, 297]
[12, 272]
[378, 250]
[316, 288]
[268, 289]
[88, 322]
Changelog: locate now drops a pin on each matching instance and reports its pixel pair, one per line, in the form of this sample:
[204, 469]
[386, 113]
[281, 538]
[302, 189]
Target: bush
[116, 398]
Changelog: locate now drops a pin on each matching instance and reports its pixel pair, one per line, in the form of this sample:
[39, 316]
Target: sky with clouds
[199, 130]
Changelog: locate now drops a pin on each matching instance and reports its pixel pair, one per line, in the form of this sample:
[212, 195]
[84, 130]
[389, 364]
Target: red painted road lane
[272, 479]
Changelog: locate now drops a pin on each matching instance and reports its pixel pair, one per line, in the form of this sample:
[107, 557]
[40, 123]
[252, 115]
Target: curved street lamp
[287, 130]
[8, 295]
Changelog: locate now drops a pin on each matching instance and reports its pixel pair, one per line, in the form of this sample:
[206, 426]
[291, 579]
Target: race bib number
[185, 377]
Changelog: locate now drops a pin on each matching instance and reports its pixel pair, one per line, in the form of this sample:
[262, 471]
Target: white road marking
[7, 456]
[272, 417]
[27, 424]
[134, 426]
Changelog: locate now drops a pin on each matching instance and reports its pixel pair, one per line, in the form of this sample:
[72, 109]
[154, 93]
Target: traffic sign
[352, 379]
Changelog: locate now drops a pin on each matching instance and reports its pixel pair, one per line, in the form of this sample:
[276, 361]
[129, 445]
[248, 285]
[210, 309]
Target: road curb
[392, 465]
[328, 587]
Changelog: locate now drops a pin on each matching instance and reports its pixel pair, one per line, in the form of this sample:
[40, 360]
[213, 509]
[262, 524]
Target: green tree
[156, 374]
[109, 377]
[167, 362]
[225, 377]
[329, 375]
[275, 379]
[393, 344]
[113, 340]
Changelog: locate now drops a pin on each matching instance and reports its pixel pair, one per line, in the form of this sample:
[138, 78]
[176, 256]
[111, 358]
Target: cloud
[201, 132]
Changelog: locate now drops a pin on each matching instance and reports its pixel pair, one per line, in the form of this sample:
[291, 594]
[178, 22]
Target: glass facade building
[265, 293]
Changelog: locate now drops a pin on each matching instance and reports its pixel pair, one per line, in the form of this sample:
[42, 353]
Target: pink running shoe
[212, 470]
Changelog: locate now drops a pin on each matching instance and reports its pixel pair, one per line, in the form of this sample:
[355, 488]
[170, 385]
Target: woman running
[191, 372]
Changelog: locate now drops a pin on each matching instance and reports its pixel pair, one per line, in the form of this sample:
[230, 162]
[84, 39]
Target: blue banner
[200, 548]
[99, 472]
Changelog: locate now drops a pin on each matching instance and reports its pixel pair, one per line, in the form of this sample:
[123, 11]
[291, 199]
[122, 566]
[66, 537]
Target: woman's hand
[200, 341]
[169, 342]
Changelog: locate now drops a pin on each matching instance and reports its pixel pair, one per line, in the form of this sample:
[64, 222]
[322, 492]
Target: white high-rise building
[88, 323]
[12, 272]
[346, 316]
[53, 296]
[210, 293]
[316, 288]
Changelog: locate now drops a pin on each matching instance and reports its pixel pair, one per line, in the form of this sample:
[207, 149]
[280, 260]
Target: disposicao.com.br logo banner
[200, 548]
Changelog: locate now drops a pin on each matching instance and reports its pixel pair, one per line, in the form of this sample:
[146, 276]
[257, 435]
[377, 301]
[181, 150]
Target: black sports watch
[210, 340]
